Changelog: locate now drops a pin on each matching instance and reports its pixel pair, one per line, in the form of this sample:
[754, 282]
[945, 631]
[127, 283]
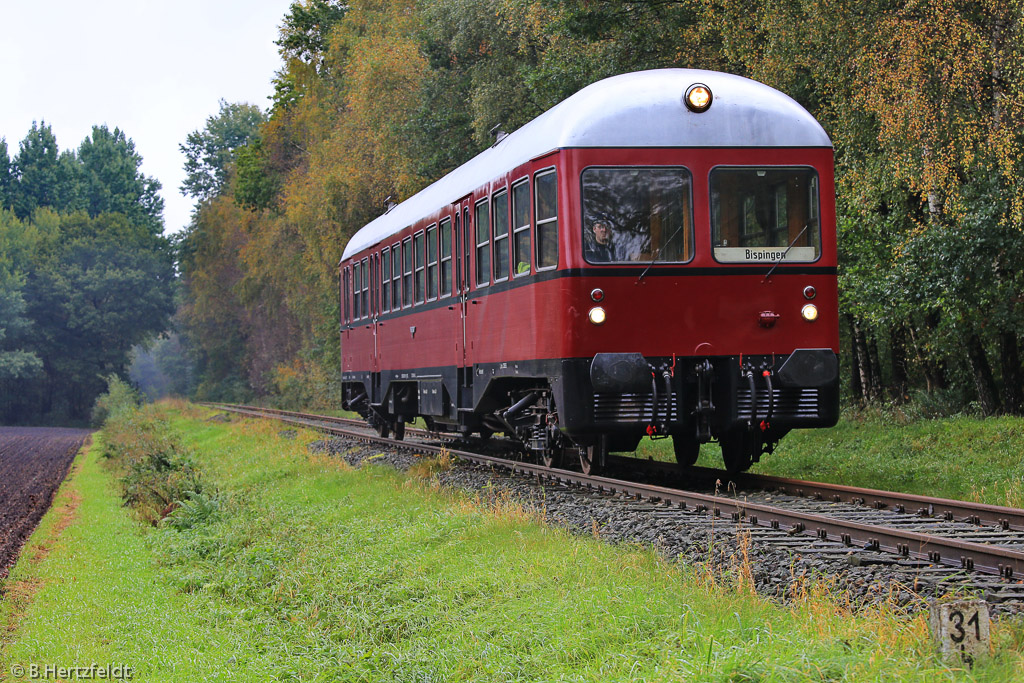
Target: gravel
[778, 565]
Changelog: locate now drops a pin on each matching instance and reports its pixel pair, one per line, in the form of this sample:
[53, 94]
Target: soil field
[33, 463]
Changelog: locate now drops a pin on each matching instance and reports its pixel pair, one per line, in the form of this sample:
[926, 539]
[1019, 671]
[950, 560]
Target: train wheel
[552, 457]
[738, 449]
[592, 457]
[687, 450]
[399, 430]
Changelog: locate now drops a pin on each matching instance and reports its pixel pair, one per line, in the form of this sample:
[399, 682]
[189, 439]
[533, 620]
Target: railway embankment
[295, 564]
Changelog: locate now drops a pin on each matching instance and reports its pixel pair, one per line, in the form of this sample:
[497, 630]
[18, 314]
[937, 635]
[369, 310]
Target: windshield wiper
[658, 253]
[783, 257]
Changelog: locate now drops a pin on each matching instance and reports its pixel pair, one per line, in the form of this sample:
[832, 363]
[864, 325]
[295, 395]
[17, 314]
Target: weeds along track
[783, 529]
[33, 463]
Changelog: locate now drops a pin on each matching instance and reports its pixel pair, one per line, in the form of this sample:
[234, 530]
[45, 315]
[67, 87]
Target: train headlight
[597, 315]
[698, 98]
[809, 313]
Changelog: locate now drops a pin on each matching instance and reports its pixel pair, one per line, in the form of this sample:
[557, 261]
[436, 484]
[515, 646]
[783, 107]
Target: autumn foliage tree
[923, 100]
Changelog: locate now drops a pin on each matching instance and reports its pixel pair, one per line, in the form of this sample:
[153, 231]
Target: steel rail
[972, 513]
[978, 514]
[980, 557]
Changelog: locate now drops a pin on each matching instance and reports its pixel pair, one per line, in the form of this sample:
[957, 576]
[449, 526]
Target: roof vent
[498, 134]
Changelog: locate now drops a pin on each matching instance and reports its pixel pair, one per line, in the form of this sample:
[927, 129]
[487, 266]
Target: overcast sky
[153, 68]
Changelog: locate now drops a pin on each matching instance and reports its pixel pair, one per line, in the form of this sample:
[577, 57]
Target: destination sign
[764, 254]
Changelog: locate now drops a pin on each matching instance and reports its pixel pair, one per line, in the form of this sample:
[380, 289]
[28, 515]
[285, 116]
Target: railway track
[932, 534]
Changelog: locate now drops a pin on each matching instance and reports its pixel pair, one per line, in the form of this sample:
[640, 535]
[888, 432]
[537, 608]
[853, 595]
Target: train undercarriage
[578, 410]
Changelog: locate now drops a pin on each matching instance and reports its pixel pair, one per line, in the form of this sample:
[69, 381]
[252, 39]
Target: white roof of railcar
[642, 109]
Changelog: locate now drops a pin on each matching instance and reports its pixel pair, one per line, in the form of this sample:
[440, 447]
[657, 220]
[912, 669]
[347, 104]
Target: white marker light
[809, 313]
[597, 315]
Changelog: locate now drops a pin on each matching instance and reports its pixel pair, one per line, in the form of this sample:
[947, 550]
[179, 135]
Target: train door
[462, 246]
[374, 322]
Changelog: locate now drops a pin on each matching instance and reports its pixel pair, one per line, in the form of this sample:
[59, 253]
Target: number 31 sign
[961, 628]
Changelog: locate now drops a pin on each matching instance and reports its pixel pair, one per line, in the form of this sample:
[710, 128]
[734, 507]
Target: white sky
[153, 68]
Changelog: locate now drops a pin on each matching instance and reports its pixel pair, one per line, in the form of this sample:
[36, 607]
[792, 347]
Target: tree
[257, 183]
[210, 152]
[6, 176]
[17, 361]
[112, 181]
[42, 176]
[306, 29]
[98, 287]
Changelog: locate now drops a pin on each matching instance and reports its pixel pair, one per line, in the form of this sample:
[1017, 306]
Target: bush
[158, 475]
[119, 397]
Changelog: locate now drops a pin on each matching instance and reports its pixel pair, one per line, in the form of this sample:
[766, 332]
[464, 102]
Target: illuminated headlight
[697, 98]
[809, 313]
[597, 315]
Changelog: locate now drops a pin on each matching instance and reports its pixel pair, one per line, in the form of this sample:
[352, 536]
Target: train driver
[600, 248]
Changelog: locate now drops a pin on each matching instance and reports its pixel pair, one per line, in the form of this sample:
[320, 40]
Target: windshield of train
[637, 215]
[765, 215]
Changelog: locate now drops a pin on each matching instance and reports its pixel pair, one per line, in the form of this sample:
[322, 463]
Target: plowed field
[33, 463]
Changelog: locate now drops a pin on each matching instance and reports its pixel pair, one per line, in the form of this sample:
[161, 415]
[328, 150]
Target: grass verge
[301, 568]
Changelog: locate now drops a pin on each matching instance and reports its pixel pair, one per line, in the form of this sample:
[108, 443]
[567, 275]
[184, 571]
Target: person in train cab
[600, 248]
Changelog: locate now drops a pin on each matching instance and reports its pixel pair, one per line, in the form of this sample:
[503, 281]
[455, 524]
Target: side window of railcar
[420, 266]
[467, 250]
[499, 211]
[432, 262]
[446, 257]
[373, 284]
[521, 228]
[634, 214]
[483, 244]
[385, 280]
[759, 213]
[356, 289]
[407, 272]
[545, 189]
[396, 276]
[365, 299]
[346, 287]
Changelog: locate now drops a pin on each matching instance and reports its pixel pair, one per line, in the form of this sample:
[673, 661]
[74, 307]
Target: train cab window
[407, 272]
[483, 244]
[763, 215]
[396, 277]
[364, 303]
[521, 228]
[637, 215]
[420, 266]
[432, 262]
[446, 257]
[385, 280]
[545, 190]
[499, 212]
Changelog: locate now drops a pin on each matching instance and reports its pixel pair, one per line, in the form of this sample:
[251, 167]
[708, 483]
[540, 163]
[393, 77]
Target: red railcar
[654, 256]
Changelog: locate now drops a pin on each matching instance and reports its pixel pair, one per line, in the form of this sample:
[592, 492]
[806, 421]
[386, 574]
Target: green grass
[303, 569]
[95, 595]
[958, 457]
